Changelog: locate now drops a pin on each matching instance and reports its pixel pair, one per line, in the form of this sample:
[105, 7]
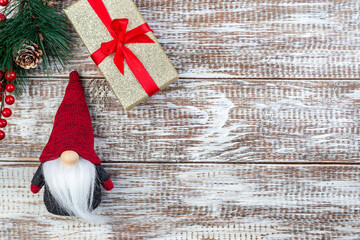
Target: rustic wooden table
[259, 139]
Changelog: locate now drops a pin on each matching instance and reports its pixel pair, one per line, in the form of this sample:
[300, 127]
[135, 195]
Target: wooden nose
[69, 158]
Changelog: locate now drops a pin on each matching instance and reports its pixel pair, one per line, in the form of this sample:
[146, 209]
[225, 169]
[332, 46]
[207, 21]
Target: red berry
[9, 100]
[2, 135]
[1, 72]
[3, 123]
[4, 2]
[10, 87]
[10, 75]
[6, 112]
[2, 18]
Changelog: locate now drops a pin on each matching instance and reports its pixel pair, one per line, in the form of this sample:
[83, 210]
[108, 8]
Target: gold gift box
[93, 32]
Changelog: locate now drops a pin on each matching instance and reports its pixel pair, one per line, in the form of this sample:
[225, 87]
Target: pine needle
[33, 21]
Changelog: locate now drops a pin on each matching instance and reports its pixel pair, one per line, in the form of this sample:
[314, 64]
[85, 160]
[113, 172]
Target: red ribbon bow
[117, 29]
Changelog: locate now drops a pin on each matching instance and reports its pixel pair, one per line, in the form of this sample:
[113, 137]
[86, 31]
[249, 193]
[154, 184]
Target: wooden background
[258, 139]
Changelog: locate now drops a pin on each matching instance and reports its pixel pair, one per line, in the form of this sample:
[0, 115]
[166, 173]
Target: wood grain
[250, 38]
[197, 201]
[259, 139]
[196, 120]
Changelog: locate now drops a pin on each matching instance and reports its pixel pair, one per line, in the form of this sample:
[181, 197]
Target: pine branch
[33, 21]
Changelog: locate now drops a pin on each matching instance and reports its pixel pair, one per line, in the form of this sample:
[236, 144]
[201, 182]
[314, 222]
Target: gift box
[124, 47]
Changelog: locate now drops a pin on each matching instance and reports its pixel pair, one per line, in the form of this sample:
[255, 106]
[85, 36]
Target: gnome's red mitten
[108, 184]
[38, 180]
[35, 189]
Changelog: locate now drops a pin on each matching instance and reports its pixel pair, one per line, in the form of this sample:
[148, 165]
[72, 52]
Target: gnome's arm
[104, 178]
[38, 180]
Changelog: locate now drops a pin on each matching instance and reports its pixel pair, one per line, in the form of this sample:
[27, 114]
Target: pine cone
[29, 56]
[51, 3]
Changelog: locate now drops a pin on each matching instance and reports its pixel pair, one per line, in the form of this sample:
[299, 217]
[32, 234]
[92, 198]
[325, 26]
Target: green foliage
[33, 21]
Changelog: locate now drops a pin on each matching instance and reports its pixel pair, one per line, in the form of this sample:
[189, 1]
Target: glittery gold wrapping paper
[93, 32]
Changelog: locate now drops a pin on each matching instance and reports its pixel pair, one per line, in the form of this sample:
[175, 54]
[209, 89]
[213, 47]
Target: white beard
[72, 187]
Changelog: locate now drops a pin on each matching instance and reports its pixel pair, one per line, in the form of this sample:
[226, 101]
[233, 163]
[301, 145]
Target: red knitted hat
[72, 127]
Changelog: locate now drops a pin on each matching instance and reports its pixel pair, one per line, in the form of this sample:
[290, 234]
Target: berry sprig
[3, 3]
[6, 86]
[32, 32]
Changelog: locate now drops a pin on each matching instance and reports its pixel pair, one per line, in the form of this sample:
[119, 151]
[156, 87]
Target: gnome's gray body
[50, 202]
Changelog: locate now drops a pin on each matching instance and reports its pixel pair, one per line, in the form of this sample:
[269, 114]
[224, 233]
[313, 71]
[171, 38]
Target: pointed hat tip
[74, 75]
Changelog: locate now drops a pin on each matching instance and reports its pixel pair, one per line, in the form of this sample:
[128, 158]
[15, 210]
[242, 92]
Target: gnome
[70, 169]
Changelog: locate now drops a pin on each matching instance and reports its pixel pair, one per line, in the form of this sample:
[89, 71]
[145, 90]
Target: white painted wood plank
[197, 201]
[250, 39]
[220, 120]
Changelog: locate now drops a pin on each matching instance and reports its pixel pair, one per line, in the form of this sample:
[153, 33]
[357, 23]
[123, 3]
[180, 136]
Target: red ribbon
[117, 29]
